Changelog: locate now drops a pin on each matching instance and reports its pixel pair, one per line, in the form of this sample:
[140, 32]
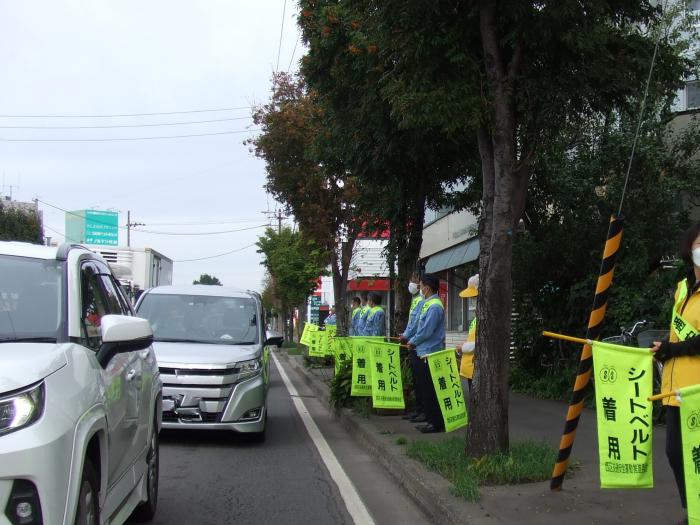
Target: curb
[419, 484]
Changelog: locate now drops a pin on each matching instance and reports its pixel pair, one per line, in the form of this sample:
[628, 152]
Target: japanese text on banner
[387, 387]
[361, 370]
[317, 340]
[305, 334]
[623, 382]
[690, 436]
[448, 388]
[342, 352]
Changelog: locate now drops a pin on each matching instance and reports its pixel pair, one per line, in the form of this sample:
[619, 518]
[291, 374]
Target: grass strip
[526, 462]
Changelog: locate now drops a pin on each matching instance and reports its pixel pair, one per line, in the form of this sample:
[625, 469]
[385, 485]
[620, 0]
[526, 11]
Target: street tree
[308, 178]
[205, 278]
[399, 167]
[508, 76]
[294, 264]
[18, 225]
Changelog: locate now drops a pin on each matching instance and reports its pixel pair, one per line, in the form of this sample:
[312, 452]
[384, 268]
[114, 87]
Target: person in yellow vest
[418, 415]
[466, 349]
[355, 315]
[681, 353]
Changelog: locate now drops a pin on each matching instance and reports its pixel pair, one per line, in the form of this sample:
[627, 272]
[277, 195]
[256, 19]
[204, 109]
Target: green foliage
[526, 462]
[293, 263]
[340, 386]
[573, 194]
[17, 225]
[401, 440]
[205, 278]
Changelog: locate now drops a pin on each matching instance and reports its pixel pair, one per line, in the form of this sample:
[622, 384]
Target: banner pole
[658, 397]
[595, 324]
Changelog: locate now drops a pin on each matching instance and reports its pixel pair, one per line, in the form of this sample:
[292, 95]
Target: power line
[199, 223]
[202, 233]
[59, 233]
[217, 255]
[119, 139]
[115, 115]
[147, 231]
[293, 53]
[112, 126]
[279, 48]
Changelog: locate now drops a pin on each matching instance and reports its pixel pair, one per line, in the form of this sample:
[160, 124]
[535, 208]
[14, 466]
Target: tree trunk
[340, 270]
[488, 428]
[410, 233]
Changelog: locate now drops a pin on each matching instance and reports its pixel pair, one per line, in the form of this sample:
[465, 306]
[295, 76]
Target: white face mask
[696, 256]
[412, 288]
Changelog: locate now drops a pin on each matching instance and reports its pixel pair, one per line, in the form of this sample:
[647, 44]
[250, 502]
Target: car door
[138, 385]
[117, 397]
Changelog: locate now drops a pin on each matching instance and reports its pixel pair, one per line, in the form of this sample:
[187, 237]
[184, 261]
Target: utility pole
[130, 225]
[277, 215]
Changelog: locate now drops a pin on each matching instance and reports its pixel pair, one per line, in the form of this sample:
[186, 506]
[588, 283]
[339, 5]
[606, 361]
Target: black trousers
[417, 391]
[430, 401]
[674, 450]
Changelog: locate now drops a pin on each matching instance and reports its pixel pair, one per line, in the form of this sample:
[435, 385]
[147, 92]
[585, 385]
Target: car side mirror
[122, 333]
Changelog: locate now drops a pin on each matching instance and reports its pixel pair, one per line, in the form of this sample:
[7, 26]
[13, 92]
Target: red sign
[443, 292]
[369, 285]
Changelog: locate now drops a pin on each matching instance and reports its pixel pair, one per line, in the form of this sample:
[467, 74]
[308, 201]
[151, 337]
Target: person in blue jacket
[418, 415]
[374, 324]
[429, 338]
[355, 315]
[331, 319]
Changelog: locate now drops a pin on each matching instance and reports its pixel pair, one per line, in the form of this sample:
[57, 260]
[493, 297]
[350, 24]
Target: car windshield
[30, 299]
[201, 318]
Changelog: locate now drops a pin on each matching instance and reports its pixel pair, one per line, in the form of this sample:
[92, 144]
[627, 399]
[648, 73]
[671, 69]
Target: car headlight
[249, 368]
[21, 409]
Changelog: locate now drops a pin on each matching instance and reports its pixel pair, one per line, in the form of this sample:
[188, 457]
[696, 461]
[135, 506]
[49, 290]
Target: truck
[137, 269]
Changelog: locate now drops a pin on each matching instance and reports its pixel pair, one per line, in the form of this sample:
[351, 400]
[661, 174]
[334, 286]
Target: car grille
[197, 395]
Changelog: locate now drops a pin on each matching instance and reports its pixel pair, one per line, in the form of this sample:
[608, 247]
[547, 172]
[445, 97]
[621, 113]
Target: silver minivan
[212, 353]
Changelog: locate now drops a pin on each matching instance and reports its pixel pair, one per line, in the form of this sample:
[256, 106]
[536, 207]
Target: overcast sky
[99, 57]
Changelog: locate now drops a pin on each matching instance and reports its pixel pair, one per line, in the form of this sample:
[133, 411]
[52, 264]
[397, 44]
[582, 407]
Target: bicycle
[644, 340]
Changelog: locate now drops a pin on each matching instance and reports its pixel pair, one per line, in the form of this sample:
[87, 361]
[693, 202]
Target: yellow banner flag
[623, 382]
[387, 387]
[690, 437]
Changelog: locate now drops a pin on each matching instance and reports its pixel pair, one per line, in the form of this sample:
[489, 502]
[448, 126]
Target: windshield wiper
[244, 343]
[28, 340]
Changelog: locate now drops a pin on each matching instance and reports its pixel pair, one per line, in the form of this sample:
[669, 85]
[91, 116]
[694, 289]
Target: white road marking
[356, 508]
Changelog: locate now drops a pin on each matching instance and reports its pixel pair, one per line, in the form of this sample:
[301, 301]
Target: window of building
[692, 93]
[694, 5]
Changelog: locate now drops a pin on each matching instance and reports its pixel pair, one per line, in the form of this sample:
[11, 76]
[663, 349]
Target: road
[220, 478]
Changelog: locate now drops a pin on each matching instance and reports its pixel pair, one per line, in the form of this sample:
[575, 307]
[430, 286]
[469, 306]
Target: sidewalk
[581, 501]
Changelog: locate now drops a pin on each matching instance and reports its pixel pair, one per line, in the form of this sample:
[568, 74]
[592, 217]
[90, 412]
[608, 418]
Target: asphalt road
[221, 478]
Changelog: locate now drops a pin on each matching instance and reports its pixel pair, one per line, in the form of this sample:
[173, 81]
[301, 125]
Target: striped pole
[595, 324]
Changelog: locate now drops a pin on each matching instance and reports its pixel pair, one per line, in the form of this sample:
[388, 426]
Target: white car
[213, 355]
[80, 392]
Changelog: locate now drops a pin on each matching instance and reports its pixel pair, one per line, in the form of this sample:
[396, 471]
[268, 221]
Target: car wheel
[88, 512]
[147, 510]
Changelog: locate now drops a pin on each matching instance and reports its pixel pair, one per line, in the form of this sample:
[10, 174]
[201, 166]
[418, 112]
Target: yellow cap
[472, 289]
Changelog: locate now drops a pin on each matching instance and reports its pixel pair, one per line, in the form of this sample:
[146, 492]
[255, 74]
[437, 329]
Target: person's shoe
[430, 429]
[409, 416]
[420, 418]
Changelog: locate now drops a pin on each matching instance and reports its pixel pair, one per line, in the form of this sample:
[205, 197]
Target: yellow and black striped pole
[595, 324]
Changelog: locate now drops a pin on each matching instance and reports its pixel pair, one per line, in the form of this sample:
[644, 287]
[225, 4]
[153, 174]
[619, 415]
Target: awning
[462, 253]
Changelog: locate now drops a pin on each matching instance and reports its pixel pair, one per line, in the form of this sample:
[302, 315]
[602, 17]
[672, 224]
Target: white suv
[80, 392]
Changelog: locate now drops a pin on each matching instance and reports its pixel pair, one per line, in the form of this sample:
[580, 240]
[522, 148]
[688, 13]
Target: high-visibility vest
[679, 325]
[373, 311]
[682, 371]
[414, 303]
[430, 302]
[355, 311]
